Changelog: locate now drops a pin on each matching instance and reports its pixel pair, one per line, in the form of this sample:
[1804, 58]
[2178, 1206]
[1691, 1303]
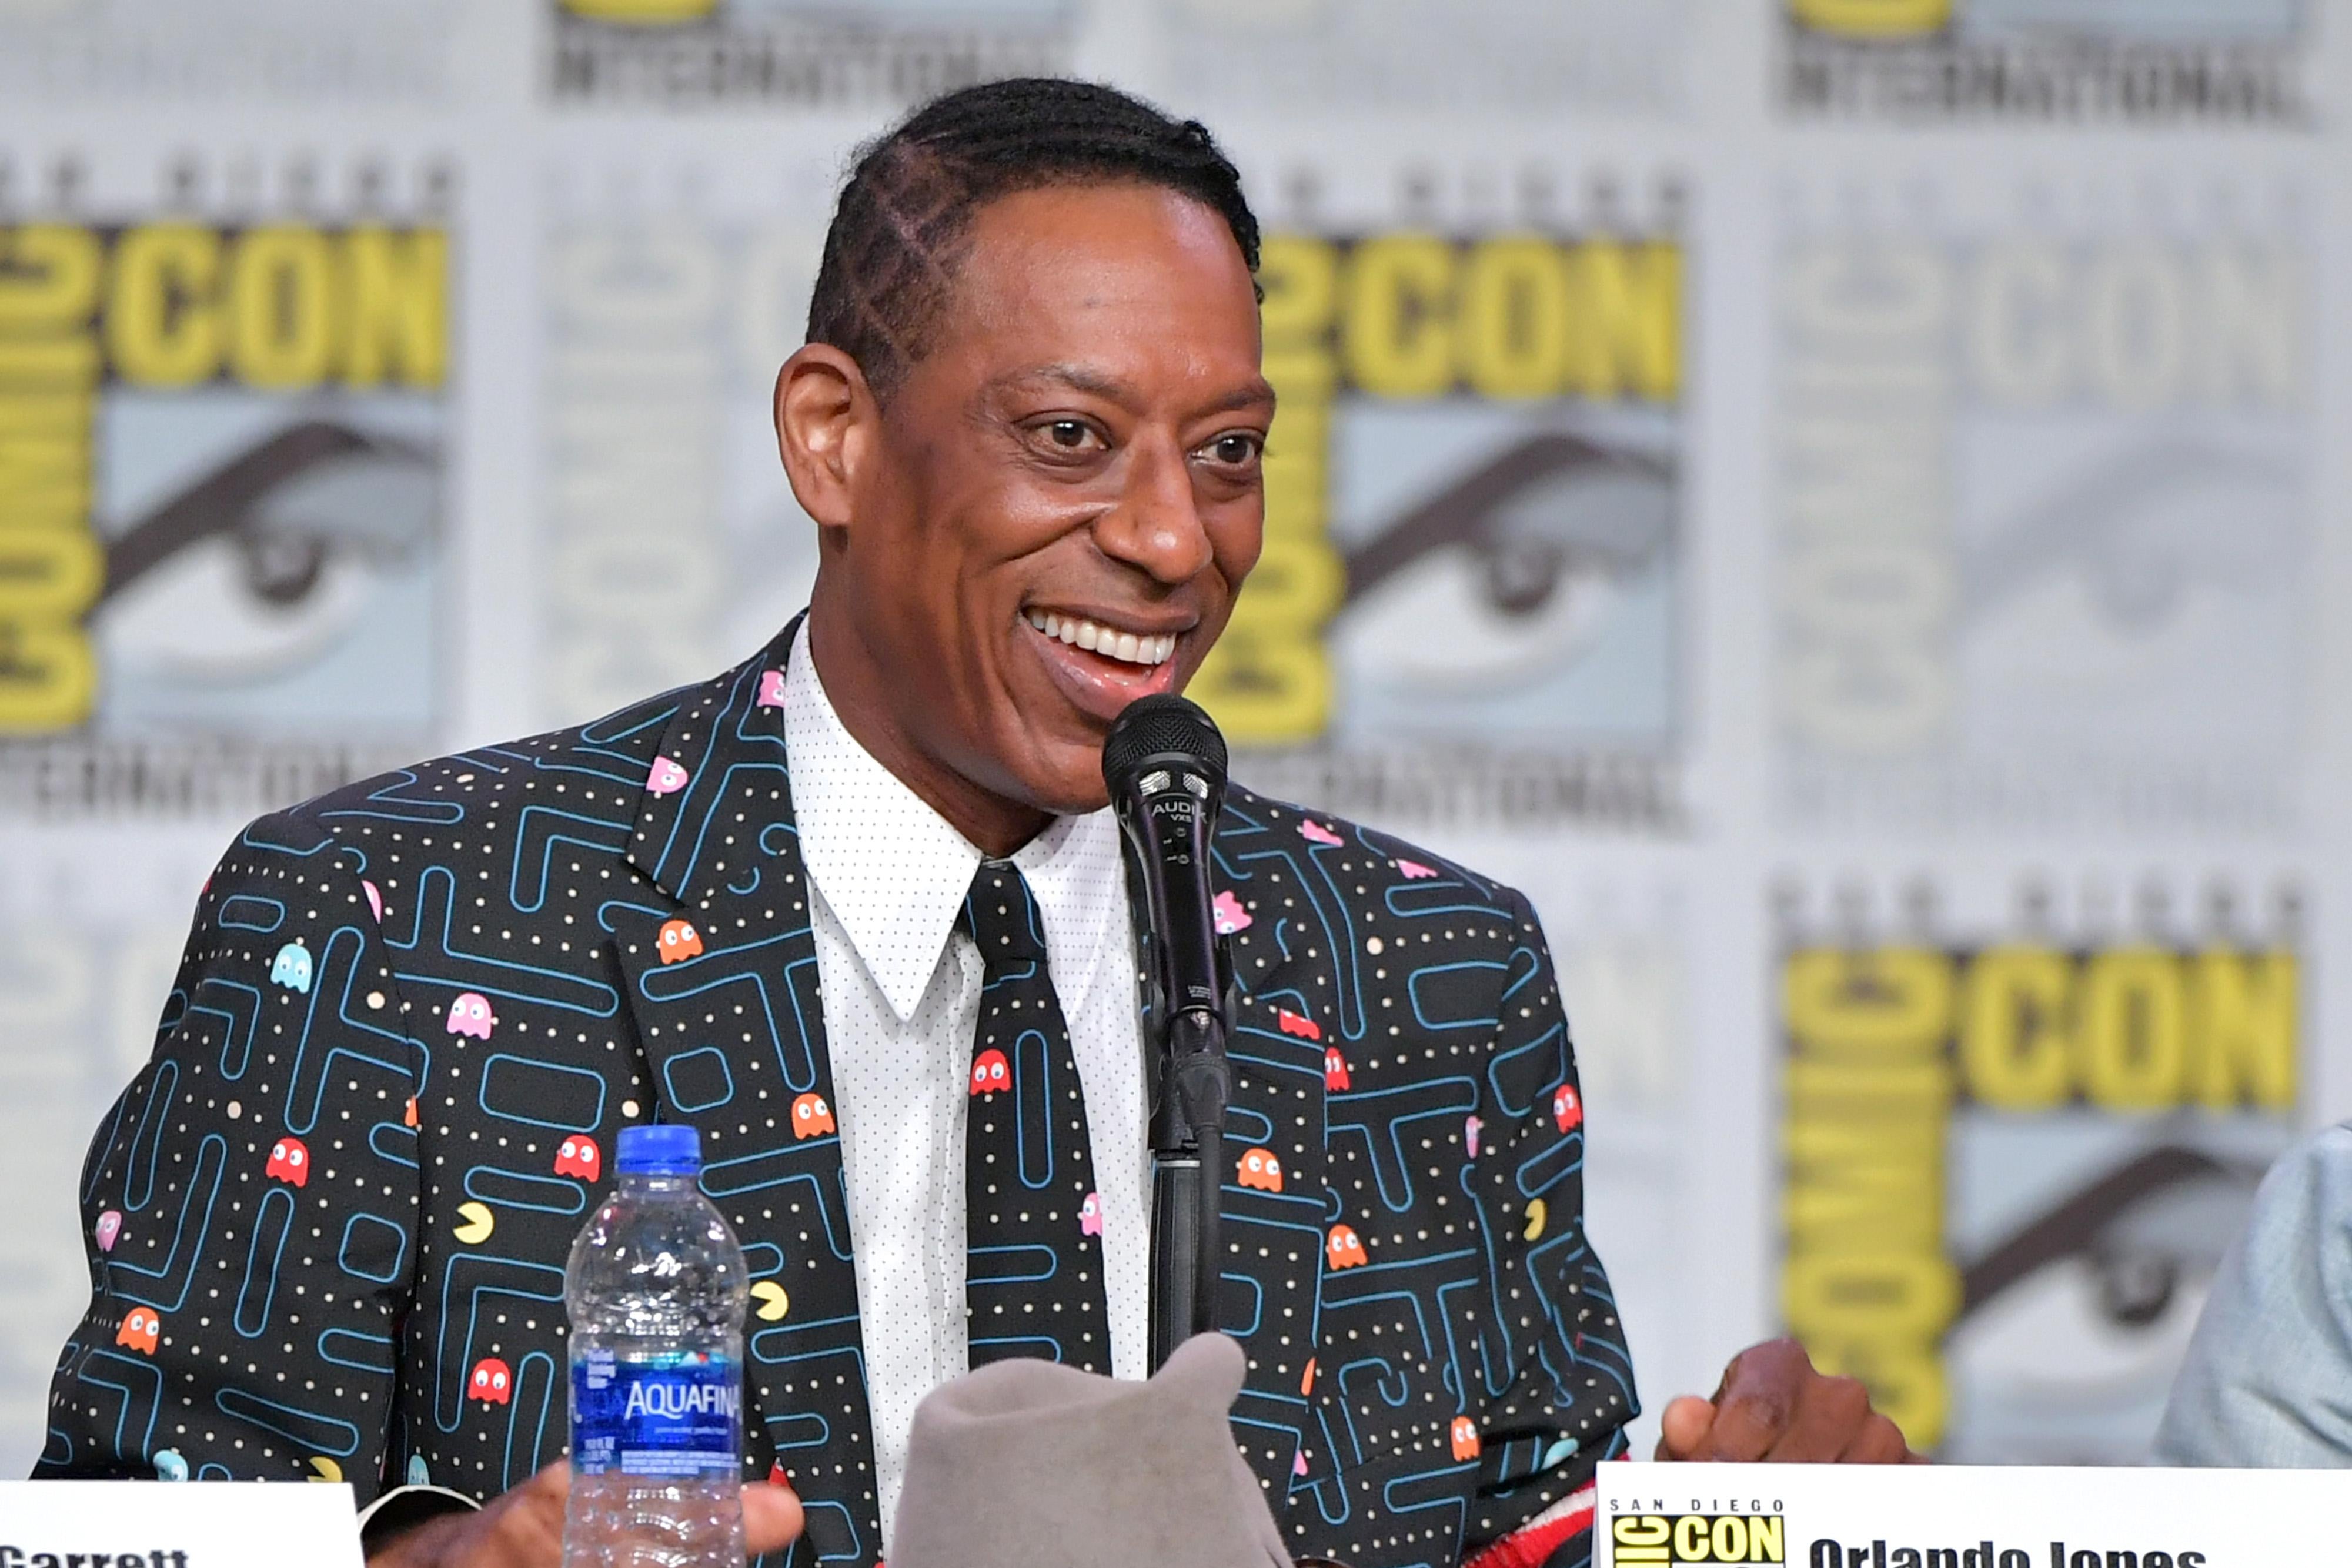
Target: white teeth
[1128, 647]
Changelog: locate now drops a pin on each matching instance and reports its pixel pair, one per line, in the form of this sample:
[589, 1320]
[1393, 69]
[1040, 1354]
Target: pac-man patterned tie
[1034, 1279]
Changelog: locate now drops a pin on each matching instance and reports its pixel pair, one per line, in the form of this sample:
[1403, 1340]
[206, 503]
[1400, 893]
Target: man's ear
[826, 429]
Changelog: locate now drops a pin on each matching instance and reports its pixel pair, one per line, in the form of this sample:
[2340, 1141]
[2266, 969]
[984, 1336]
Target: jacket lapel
[728, 1010]
[1275, 1236]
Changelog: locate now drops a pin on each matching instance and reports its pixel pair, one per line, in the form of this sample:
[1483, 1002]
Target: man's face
[1066, 495]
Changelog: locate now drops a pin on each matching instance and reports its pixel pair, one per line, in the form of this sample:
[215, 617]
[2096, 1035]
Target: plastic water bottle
[655, 1291]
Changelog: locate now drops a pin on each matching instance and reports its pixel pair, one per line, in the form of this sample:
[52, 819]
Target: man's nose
[1156, 526]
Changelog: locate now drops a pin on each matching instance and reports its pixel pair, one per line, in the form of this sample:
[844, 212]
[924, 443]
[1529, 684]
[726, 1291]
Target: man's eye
[1067, 433]
[1234, 451]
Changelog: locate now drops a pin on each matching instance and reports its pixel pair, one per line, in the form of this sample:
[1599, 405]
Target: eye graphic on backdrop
[264, 561]
[1519, 560]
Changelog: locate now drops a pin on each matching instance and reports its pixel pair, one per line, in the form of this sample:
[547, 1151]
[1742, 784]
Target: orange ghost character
[1260, 1168]
[1343, 1247]
[812, 1115]
[1465, 1434]
[140, 1331]
[679, 939]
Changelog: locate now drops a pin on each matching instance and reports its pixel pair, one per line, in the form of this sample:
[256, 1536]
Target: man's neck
[860, 699]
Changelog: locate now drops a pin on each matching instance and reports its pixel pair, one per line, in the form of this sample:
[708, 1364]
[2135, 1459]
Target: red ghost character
[679, 939]
[1566, 1109]
[1335, 1068]
[141, 1327]
[1260, 1168]
[1290, 1022]
[491, 1383]
[991, 1072]
[812, 1115]
[580, 1158]
[290, 1162]
[1343, 1249]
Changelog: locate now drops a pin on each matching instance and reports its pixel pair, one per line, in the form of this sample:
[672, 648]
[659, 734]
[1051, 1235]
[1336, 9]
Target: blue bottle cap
[667, 1149]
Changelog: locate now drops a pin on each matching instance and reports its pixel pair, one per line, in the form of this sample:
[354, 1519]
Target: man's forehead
[1235, 396]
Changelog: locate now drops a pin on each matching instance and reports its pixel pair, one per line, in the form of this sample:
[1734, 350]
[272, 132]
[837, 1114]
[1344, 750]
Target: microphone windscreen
[1161, 726]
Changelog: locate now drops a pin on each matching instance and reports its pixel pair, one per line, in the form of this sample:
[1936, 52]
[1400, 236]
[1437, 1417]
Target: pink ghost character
[110, 1225]
[471, 1014]
[771, 688]
[667, 776]
[1470, 1125]
[1414, 871]
[1229, 915]
[1090, 1214]
[1315, 832]
[375, 900]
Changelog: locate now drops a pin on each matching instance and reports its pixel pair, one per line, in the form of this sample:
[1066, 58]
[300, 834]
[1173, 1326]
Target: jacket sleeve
[1570, 1393]
[249, 1206]
[2267, 1382]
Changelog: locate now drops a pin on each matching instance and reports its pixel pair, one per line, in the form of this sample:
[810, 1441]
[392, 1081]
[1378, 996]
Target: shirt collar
[894, 872]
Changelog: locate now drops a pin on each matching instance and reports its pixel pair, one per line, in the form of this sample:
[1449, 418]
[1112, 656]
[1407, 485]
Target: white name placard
[1959, 1516]
[177, 1524]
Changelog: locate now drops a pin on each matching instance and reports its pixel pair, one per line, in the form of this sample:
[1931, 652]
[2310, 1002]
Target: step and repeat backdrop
[1833, 497]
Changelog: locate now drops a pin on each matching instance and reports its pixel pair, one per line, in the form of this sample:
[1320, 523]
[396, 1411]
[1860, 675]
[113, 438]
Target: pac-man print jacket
[327, 1222]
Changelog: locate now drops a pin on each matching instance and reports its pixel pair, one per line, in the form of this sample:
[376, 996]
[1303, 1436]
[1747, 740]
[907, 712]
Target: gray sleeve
[2267, 1382]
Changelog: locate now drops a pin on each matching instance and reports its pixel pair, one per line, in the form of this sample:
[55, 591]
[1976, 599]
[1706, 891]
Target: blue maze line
[1344, 1295]
[1048, 1347]
[390, 807]
[1494, 1369]
[266, 914]
[332, 1351]
[1420, 1014]
[544, 1385]
[239, 1011]
[653, 713]
[514, 1189]
[1006, 1276]
[395, 1143]
[1499, 1069]
[796, 1061]
[475, 1277]
[721, 1180]
[146, 1143]
[555, 1072]
[1391, 1166]
[318, 1432]
[253, 838]
[606, 911]
[306, 1081]
[273, 1218]
[818, 1430]
[1033, 1086]
[436, 889]
[187, 1241]
[1550, 1165]
[719, 792]
[146, 1374]
[535, 847]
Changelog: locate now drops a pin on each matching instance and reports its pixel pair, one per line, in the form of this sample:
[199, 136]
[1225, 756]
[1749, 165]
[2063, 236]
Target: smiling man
[856, 910]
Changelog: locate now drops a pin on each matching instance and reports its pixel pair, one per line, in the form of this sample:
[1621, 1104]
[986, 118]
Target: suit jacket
[327, 1222]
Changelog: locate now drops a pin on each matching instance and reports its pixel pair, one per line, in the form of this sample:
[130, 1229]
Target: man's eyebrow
[1254, 393]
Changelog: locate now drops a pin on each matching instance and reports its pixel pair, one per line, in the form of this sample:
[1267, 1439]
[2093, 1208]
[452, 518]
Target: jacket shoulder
[1377, 866]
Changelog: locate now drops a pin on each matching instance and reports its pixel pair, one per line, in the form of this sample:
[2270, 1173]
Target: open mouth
[1141, 649]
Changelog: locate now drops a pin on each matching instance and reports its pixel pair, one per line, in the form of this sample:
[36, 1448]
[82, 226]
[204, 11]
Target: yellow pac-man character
[323, 1468]
[1537, 1214]
[1872, 18]
[478, 1222]
[770, 1301]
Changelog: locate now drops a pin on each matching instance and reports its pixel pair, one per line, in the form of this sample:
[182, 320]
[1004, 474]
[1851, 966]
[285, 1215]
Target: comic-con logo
[2011, 1166]
[269, 394]
[1672, 1540]
[1470, 491]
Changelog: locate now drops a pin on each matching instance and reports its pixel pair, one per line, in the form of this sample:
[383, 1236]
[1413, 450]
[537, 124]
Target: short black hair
[899, 232]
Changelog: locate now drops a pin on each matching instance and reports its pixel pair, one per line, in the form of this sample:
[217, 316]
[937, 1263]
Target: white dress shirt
[901, 989]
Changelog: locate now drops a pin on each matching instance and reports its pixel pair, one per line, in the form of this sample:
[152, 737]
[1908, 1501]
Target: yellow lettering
[642, 12]
[2134, 1040]
[48, 679]
[1625, 316]
[48, 277]
[1516, 317]
[1690, 1537]
[1398, 302]
[2016, 1044]
[1890, 1000]
[2242, 1009]
[1764, 1540]
[398, 306]
[1872, 18]
[281, 307]
[1728, 1540]
[163, 325]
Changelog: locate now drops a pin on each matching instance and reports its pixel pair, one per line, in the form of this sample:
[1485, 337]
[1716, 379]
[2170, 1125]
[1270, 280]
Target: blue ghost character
[170, 1466]
[292, 967]
[418, 1474]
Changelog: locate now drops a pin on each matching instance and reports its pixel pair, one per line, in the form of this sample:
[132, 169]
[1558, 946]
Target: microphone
[1164, 764]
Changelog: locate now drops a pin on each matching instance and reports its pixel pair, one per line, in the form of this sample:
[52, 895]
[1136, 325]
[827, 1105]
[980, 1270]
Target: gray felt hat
[1027, 1463]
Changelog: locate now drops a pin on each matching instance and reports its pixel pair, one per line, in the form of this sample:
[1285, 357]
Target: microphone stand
[1187, 1136]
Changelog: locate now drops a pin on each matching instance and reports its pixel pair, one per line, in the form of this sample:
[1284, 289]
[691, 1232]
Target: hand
[1772, 1406]
[524, 1528]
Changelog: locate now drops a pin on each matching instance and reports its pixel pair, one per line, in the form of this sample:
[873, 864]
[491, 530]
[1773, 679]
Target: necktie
[1033, 1263]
